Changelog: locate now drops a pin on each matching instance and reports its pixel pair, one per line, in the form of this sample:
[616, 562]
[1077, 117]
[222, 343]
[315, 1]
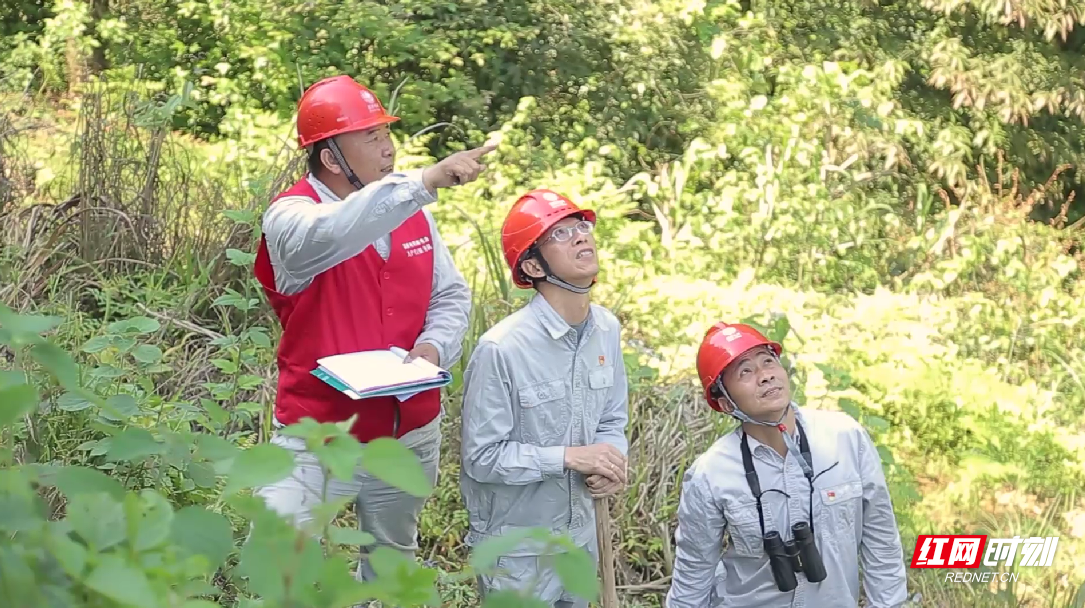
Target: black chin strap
[339, 158]
[552, 278]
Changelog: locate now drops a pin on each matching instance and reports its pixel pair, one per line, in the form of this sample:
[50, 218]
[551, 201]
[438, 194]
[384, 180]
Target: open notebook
[380, 373]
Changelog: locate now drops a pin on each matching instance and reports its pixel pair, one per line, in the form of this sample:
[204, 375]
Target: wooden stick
[609, 592]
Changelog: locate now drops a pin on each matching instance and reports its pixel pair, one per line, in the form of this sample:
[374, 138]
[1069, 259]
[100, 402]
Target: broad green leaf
[97, 344]
[133, 444]
[201, 532]
[485, 554]
[577, 572]
[325, 512]
[227, 366]
[201, 474]
[122, 583]
[259, 465]
[149, 517]
[16, 401]
[147, 354]
[71, 555]
[259, 338]
[395, 464]
[851, 408]
[58, 362]
[73, 402]
[200, 604]
[215, 448]
[351, 536]
[19, 512]
[12, 377]
[270, 552]
[98, 519]
[340, 456]
[18, 580]
[507, 598]
[876, 423]
[401, 581]
[120, 407]
[74, 480]
[886, 454]
[27, 324]
[139, 325]
[781, 326]
[124, 343]
[240, 258]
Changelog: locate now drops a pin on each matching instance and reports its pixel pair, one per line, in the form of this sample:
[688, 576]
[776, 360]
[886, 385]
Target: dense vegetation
[893, 188]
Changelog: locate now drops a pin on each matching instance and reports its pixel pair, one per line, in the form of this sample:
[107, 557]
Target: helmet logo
[370, 101]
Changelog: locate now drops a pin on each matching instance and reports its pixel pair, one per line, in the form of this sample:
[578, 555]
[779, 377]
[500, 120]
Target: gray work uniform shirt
[854, 524]
[305, 238]
[531, 389]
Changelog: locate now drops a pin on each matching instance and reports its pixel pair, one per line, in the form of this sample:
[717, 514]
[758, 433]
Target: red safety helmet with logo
[722, 344]
[530, 218]
[338, 105]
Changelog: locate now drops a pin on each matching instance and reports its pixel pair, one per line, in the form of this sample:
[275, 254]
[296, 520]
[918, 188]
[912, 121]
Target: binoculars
[799, 554]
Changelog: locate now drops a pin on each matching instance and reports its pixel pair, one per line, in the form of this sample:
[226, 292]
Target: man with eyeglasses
[761, 483]
[545, 401]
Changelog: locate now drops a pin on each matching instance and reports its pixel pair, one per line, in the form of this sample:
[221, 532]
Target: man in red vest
[350, 260]
[545, 403]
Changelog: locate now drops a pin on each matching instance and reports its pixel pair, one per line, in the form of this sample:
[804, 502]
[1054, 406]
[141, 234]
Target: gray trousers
[535, 575]
[389, 514]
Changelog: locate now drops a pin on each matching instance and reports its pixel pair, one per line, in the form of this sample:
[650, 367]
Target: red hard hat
[338, 105]
[722, 344]
[530, 217]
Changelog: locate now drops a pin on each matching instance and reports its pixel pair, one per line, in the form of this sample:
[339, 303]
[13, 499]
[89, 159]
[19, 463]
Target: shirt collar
[325, 193]
[552, 321]
[755, 445]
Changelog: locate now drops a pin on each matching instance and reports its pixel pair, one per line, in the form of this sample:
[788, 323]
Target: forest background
[893, 188]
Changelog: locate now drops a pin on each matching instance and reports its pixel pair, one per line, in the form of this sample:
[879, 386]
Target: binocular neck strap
[801, 451]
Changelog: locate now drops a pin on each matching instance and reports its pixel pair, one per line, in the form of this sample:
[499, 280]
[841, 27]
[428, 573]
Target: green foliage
[115, 546]
[883, 187]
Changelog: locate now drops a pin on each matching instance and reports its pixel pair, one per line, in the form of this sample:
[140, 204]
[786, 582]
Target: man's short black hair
[316, 165]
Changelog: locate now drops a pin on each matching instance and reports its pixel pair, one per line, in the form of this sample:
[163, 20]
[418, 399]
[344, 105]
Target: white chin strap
[554, 279]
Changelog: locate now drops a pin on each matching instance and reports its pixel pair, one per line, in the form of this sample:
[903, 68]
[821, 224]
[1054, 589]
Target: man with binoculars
[800, 493]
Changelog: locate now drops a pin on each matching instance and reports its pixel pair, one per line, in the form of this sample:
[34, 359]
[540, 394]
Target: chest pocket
[600, 381]
[744, 528]
[841, 505]
[544, 412]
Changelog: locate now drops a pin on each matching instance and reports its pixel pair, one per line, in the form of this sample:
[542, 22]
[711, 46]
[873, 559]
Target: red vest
[363, 303]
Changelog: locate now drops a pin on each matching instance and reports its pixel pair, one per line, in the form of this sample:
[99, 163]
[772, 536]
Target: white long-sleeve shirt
[305, 238]
[854, 523]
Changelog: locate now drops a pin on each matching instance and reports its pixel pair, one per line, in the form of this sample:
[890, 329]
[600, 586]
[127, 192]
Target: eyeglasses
[564, 233]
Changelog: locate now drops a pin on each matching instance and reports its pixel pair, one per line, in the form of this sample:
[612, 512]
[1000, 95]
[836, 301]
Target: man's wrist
[426, 192]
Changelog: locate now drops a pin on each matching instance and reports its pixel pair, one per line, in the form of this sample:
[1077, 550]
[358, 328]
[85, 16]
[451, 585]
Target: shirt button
[387, 275]
[389, 312]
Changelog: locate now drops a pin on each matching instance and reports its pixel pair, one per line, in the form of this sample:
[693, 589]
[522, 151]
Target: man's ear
[726, 405]
[328, 160]
[532, 269]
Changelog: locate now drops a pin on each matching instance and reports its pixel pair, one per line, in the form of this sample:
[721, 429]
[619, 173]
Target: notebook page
[374, 369]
